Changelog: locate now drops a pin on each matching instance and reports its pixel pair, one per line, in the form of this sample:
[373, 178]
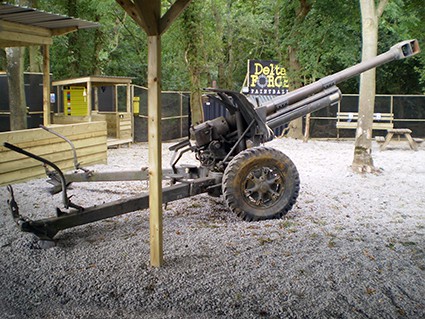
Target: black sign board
[266, 78]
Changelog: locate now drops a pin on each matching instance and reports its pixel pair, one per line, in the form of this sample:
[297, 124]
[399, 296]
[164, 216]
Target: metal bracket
[74, 152]
[65, 199]
[179, 149]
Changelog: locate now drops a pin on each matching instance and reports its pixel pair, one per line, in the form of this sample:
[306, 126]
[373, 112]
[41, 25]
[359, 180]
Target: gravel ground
[352, 247]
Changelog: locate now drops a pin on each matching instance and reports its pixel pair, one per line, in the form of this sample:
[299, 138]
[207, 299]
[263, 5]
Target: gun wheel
[260, 183]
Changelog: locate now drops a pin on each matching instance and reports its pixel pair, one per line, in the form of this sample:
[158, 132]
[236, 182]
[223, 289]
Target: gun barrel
[399, 51]
[311, 104]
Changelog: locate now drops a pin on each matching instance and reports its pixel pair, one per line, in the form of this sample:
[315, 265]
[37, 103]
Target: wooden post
[155, 151]
[46, 85]
[117, 114]
[130, 109]
[88, 97]
[96, 99]
[147, 14]
[307, 128]
[128, 92]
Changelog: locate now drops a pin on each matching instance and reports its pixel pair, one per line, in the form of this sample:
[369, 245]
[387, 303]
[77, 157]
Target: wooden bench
[399, 132]
[348, 120]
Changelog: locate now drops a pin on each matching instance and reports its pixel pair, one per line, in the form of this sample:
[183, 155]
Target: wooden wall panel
[89, 140]
[125, 126]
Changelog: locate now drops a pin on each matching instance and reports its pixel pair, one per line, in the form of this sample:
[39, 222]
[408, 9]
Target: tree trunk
[296, 126]
[74, 47]
[196, 98]
[276, 29]
[15, 80]
[363, 161]
[36, 59]
[225, 29]
[2, 59]
[192, 24]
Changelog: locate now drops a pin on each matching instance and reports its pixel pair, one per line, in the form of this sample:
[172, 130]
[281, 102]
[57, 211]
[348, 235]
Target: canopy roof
[23, 26]
[97, 80]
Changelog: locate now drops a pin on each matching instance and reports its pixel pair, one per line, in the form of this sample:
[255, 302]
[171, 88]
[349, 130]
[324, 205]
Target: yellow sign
[75, 101]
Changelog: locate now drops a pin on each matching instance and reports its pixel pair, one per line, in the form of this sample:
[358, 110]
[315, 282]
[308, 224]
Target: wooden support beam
[155, 149]
[117, 114]
[172, 14]
[63, 31]
[128, 98]
[147, 14]
[150, 13]
[132, 111]
[16, 34]
[116, 99]
[24, 29]
[88, 97]
[46, 85]
[134, 13]
[24, 39]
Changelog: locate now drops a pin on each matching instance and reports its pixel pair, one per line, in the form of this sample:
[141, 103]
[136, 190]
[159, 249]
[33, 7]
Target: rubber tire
[235, 180]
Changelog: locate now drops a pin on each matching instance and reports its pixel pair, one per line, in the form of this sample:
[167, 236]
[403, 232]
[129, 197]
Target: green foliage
[326, 40]
[215, 38]
[395, 25]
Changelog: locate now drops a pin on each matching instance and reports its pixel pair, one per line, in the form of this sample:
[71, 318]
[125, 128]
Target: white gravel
[352, 247]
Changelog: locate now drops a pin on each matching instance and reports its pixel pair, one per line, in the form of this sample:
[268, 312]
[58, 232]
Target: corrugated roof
[39, 18]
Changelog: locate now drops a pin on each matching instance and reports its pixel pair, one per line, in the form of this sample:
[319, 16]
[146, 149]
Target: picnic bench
[399, 132]
[348, 120]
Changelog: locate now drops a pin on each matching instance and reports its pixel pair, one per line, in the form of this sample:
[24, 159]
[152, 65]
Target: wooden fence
[89, 140]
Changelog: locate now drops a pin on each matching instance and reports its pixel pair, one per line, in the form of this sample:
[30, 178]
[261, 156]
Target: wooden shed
[79, 101]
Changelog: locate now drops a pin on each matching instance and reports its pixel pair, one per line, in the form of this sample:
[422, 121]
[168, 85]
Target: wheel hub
[263, 187]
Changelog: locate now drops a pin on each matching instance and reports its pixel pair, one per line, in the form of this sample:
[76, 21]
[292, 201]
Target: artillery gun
[257, 182]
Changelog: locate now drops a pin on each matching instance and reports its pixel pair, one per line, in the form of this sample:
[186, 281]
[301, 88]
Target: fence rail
[408, 110]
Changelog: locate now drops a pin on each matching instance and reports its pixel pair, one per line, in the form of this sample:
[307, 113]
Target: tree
[15, 80]
[402, 19]
[2, 59]
[294, 66]
[34, 52]
[370, 13]
[195, 56]
[312, 55]
[228, 33]
[35, 59]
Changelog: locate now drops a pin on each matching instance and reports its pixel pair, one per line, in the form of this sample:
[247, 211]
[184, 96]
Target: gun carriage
[256, 182]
